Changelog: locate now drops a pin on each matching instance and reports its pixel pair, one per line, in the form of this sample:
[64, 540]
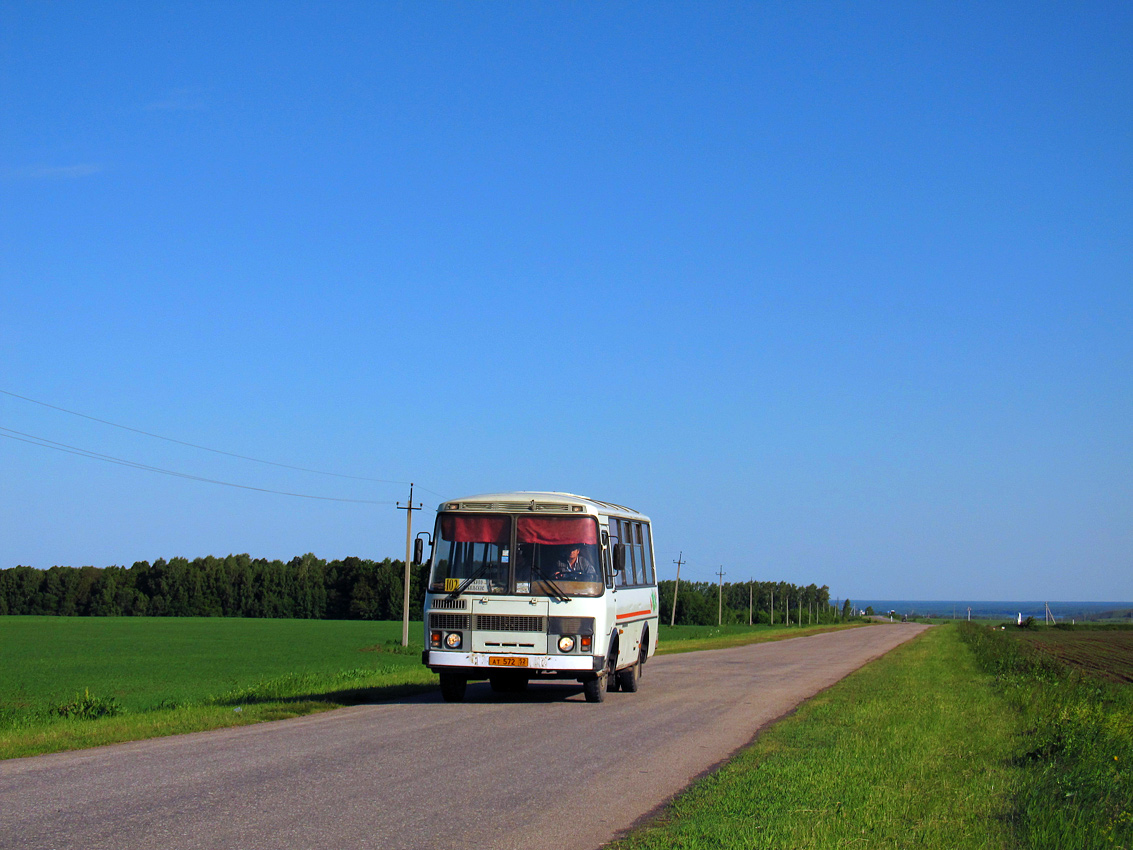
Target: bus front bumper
[479, 663]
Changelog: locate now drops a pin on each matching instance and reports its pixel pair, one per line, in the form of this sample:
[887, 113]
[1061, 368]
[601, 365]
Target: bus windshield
[557, 553]
[472, 553]
[553, 555]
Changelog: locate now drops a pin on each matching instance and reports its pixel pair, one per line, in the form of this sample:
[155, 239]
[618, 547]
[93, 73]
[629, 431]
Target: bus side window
[632, 553]
[647, 555]
[616, 536]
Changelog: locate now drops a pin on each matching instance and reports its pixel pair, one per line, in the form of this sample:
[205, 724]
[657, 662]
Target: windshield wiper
[554, 591]
[463, 586]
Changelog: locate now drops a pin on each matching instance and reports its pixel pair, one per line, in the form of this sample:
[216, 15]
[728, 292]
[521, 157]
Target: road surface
[544, 769]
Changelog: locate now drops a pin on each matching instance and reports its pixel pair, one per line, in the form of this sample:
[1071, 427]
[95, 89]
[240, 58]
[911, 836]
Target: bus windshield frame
[553, 555]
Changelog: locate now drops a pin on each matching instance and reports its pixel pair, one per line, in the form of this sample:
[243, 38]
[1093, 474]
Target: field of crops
[73, 682]
[143, 663]
[1106, 652]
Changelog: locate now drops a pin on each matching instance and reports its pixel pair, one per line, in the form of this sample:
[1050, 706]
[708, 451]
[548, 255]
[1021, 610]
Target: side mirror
[418, 551]
[619, 557]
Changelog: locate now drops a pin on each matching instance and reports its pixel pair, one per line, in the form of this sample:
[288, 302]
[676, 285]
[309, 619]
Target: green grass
[72, 682]
[913, 751]
[1077, 751]
[671, 639]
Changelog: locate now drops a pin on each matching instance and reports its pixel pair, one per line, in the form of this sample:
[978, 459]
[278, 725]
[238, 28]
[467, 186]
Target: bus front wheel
[594, 689]
[453, 686]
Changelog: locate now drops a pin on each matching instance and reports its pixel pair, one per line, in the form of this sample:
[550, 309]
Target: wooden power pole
[409, 509]
[720, 597]
[676, 587]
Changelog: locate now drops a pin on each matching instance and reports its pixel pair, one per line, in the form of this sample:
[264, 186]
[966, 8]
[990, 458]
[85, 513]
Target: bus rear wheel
[628, 677]
[453, 686]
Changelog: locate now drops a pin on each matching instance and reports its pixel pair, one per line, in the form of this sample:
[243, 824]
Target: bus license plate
[506, 661]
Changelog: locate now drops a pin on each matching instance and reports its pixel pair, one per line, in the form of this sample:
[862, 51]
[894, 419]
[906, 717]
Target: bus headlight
[566, 643]
[453, 640]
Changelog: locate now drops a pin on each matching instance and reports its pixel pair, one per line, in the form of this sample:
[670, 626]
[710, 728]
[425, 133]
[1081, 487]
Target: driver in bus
[575, 567]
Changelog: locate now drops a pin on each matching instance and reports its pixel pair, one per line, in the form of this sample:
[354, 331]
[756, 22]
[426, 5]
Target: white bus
[539, 585]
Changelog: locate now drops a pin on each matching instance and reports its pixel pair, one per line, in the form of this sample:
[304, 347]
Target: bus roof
[538, 500]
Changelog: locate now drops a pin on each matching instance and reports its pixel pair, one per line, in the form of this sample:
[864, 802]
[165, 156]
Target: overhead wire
[202, 448]
[43, 442]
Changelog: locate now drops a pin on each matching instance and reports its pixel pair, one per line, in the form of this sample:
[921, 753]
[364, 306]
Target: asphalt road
[539, 770]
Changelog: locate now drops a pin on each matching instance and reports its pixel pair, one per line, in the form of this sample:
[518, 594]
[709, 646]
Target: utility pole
[720, 597]
[676, 587]
[409, 509]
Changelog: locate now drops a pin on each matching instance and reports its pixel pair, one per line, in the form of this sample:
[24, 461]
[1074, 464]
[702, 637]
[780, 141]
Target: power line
[206, 448]
[75, 450]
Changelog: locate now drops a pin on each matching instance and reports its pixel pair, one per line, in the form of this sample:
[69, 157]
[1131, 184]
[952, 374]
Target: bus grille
[457, 604]
[447, 621]
[509, 623]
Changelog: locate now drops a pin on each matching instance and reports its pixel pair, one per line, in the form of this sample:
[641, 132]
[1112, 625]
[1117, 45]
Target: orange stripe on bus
[633, 614]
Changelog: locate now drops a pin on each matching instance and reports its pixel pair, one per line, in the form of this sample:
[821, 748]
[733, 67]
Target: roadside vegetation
[969, 736]
[913, 751]
[1070, 688]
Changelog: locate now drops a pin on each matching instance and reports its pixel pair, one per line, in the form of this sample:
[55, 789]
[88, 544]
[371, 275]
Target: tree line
[779, 602]
[236, 586]
[348, 589]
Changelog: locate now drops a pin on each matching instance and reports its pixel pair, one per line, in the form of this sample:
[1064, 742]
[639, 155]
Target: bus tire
[594, 689]
[628, 677]
[613, 684]
[453, 686]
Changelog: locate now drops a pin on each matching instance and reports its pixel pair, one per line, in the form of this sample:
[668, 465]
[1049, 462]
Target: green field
[146, 663]
[72, 682]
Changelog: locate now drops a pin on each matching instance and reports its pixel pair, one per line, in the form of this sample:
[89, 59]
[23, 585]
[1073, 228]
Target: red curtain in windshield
[475, 529]
[555, 531]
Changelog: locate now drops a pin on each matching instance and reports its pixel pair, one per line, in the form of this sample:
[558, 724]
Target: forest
[348, 589]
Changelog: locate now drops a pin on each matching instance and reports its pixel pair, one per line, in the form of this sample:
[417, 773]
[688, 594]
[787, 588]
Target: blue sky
[838, 293]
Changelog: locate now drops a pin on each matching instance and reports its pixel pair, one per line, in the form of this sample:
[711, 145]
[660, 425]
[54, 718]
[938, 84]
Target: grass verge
[913, 751]
[1076, 789]
[672, 639]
